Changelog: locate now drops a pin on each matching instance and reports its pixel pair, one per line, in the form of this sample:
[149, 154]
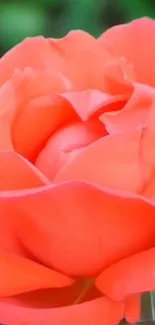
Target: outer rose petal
[134, 41]
[24, 54]
[8, 108]
[75, 222]
[132, 275]
[21, 275]
[83, 59]
[112, 161]
[28, 83]
[76, 53]
[17, 173]
[95, 312]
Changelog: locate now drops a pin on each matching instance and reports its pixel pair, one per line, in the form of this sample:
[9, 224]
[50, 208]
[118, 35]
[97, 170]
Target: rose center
[65, 144]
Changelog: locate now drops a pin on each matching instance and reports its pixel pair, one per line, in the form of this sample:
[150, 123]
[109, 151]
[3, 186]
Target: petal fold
[17, 173]
[20, 275]
[135, 274]
[134, 113]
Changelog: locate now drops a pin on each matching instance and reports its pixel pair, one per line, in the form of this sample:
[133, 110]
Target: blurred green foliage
[54, 18]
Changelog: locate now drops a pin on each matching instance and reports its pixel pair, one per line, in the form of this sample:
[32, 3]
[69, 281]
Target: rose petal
[21, 275]
[74, 222]
[148, 155]
[93, 312]
[134, 113]
[24, 54]
[7, 112]
[57, 296]
[66, 143]
[17, 173]
[135, 274]
[118, 78]
[22, 90]
[83, 59]
[112, 161]
[133, 308]
[134, 41]
[88, 102]
[76, 53]
[28, 83]
[38, 121]
[124, 161]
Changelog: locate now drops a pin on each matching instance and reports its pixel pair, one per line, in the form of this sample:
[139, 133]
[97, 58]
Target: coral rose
[77, 167]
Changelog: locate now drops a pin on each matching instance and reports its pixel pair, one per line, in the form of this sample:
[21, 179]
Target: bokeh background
[54, 18]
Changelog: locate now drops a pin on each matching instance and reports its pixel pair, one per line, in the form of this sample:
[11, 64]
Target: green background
[54, 18]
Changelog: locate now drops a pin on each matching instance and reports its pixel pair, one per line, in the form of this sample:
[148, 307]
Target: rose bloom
[77, 177]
